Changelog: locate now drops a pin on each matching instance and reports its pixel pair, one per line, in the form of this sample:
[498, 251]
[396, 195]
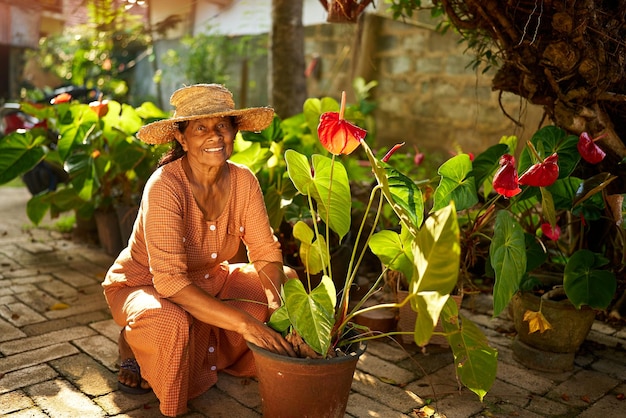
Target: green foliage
[209, 55]
[105, 162]
[98, 54]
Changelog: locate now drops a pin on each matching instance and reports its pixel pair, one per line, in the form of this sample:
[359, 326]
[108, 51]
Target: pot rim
[355, 353]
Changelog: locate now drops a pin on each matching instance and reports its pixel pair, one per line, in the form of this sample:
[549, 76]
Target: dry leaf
[536, 322]
[59, 306]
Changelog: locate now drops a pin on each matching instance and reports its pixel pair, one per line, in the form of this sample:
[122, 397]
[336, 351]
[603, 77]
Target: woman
[186, 313]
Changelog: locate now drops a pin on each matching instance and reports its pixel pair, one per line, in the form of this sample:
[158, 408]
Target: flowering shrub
[317, 321]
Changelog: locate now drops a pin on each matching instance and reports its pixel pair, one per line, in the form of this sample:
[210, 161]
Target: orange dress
[171, 246]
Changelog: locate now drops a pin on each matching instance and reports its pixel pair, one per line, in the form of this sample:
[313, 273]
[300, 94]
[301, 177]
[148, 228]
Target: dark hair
[177, 151]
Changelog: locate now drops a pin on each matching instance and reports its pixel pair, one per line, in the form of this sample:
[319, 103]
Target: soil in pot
[296, 387]
[553, 350]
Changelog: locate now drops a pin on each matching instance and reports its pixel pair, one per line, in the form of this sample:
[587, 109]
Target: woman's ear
[181, 139]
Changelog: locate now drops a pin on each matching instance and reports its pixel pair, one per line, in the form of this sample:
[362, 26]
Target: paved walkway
[58, 352]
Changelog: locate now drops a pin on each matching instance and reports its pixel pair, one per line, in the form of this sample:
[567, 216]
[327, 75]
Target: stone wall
[426, 94]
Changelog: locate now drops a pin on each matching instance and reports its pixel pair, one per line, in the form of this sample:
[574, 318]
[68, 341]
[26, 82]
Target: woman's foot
[129, 377]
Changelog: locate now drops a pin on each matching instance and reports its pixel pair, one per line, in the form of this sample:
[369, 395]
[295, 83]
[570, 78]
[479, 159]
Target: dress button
[206, 276]
[213, 255]
[211, 349]
[213, 367]
[241, 229]
[212, 227]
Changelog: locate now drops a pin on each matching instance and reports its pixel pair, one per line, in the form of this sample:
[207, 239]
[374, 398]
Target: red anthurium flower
[61, 98]
[391, 151]
[542, 174]
[505, 179]
[589, 150]
[338, 135]
[100, 107]
[552, 233]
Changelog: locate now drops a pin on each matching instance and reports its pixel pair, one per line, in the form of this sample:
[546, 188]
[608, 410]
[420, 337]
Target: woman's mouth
[216, 149]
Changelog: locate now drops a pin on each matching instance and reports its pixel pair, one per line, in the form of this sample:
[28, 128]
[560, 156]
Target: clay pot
[553, 350]
[295, 387]
[109, 234]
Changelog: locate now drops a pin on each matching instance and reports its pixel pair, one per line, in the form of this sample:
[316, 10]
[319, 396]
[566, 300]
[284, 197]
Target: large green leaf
[254, 157]
[389, 247]
[436, 253]
[475, 361]
[312, 315]
[456, 184]
[20, 153]
[74, 132]
[429, 306]
[126, 154]
[404, 196]
[487, 163]
[313, 252]
[585, 283]
[508, 258]
[316, 182]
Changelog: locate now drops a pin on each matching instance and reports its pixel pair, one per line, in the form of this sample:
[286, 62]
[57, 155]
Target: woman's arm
[213, 311]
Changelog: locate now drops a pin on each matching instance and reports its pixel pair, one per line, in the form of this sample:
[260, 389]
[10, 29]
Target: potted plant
[540, 252]
[106, 165]
[319, 321]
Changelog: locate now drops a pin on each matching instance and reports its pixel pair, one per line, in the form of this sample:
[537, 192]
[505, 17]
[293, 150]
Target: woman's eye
[221, 125]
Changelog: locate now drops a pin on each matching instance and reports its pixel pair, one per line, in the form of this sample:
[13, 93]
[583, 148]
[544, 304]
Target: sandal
[130, 364]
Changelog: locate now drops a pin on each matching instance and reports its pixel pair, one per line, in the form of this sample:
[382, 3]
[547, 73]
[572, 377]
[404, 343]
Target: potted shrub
[106, 165]
[319, 321]
[540, 252]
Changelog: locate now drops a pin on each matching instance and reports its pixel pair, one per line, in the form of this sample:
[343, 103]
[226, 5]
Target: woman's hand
[263, 336]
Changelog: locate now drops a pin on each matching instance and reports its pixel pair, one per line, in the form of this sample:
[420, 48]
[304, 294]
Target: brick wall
[426, 94]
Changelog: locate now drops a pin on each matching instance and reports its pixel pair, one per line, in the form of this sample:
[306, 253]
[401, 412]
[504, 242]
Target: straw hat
[202, 101]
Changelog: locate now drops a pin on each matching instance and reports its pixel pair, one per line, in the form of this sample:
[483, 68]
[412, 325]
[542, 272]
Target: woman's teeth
[213, 149]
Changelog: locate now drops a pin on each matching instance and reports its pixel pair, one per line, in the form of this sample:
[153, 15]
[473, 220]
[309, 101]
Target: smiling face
[208, 141]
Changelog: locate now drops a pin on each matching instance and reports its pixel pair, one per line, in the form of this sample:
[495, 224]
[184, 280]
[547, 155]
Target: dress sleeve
[164, 234]
[263, 246]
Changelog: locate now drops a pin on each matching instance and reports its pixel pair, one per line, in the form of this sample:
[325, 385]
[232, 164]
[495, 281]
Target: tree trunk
[287, 83]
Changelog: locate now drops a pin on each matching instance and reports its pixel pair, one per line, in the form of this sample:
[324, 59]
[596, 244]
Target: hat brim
[253, 119]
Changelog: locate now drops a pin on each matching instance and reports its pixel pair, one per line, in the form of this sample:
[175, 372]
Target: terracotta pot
[553, 350]
[126, 215]
[108, 231]
[295, 387]
[407, 317]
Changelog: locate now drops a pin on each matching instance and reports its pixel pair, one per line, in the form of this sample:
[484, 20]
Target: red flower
[338, 135]
[589, 150]
[61, 98]
[419, 156]
[543, 173]
[100, 107]
[552, 233]
[391, 151]
[505, 179]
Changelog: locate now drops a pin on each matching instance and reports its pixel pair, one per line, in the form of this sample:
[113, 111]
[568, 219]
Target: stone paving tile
[361, 406]
[108, 328]
[503, 392]
[55, 337]
[37, 299]
[390, 395]
[101, 349]
[582, 388]
[26, 377]
[245, 390]
[609, 406]
[215, 403]
[435, 385]
[59, 398]
[383, 369]
[82, 304]
[534, 382]
[58, 289]
[389, 351]
[118, 402]
[19, 314]
[75, 278]
[14, 401]
[38, 356]
[610, 367]
[28, 413]
[459, 404]
[549, 408]
[85, 373]
[9, 332]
